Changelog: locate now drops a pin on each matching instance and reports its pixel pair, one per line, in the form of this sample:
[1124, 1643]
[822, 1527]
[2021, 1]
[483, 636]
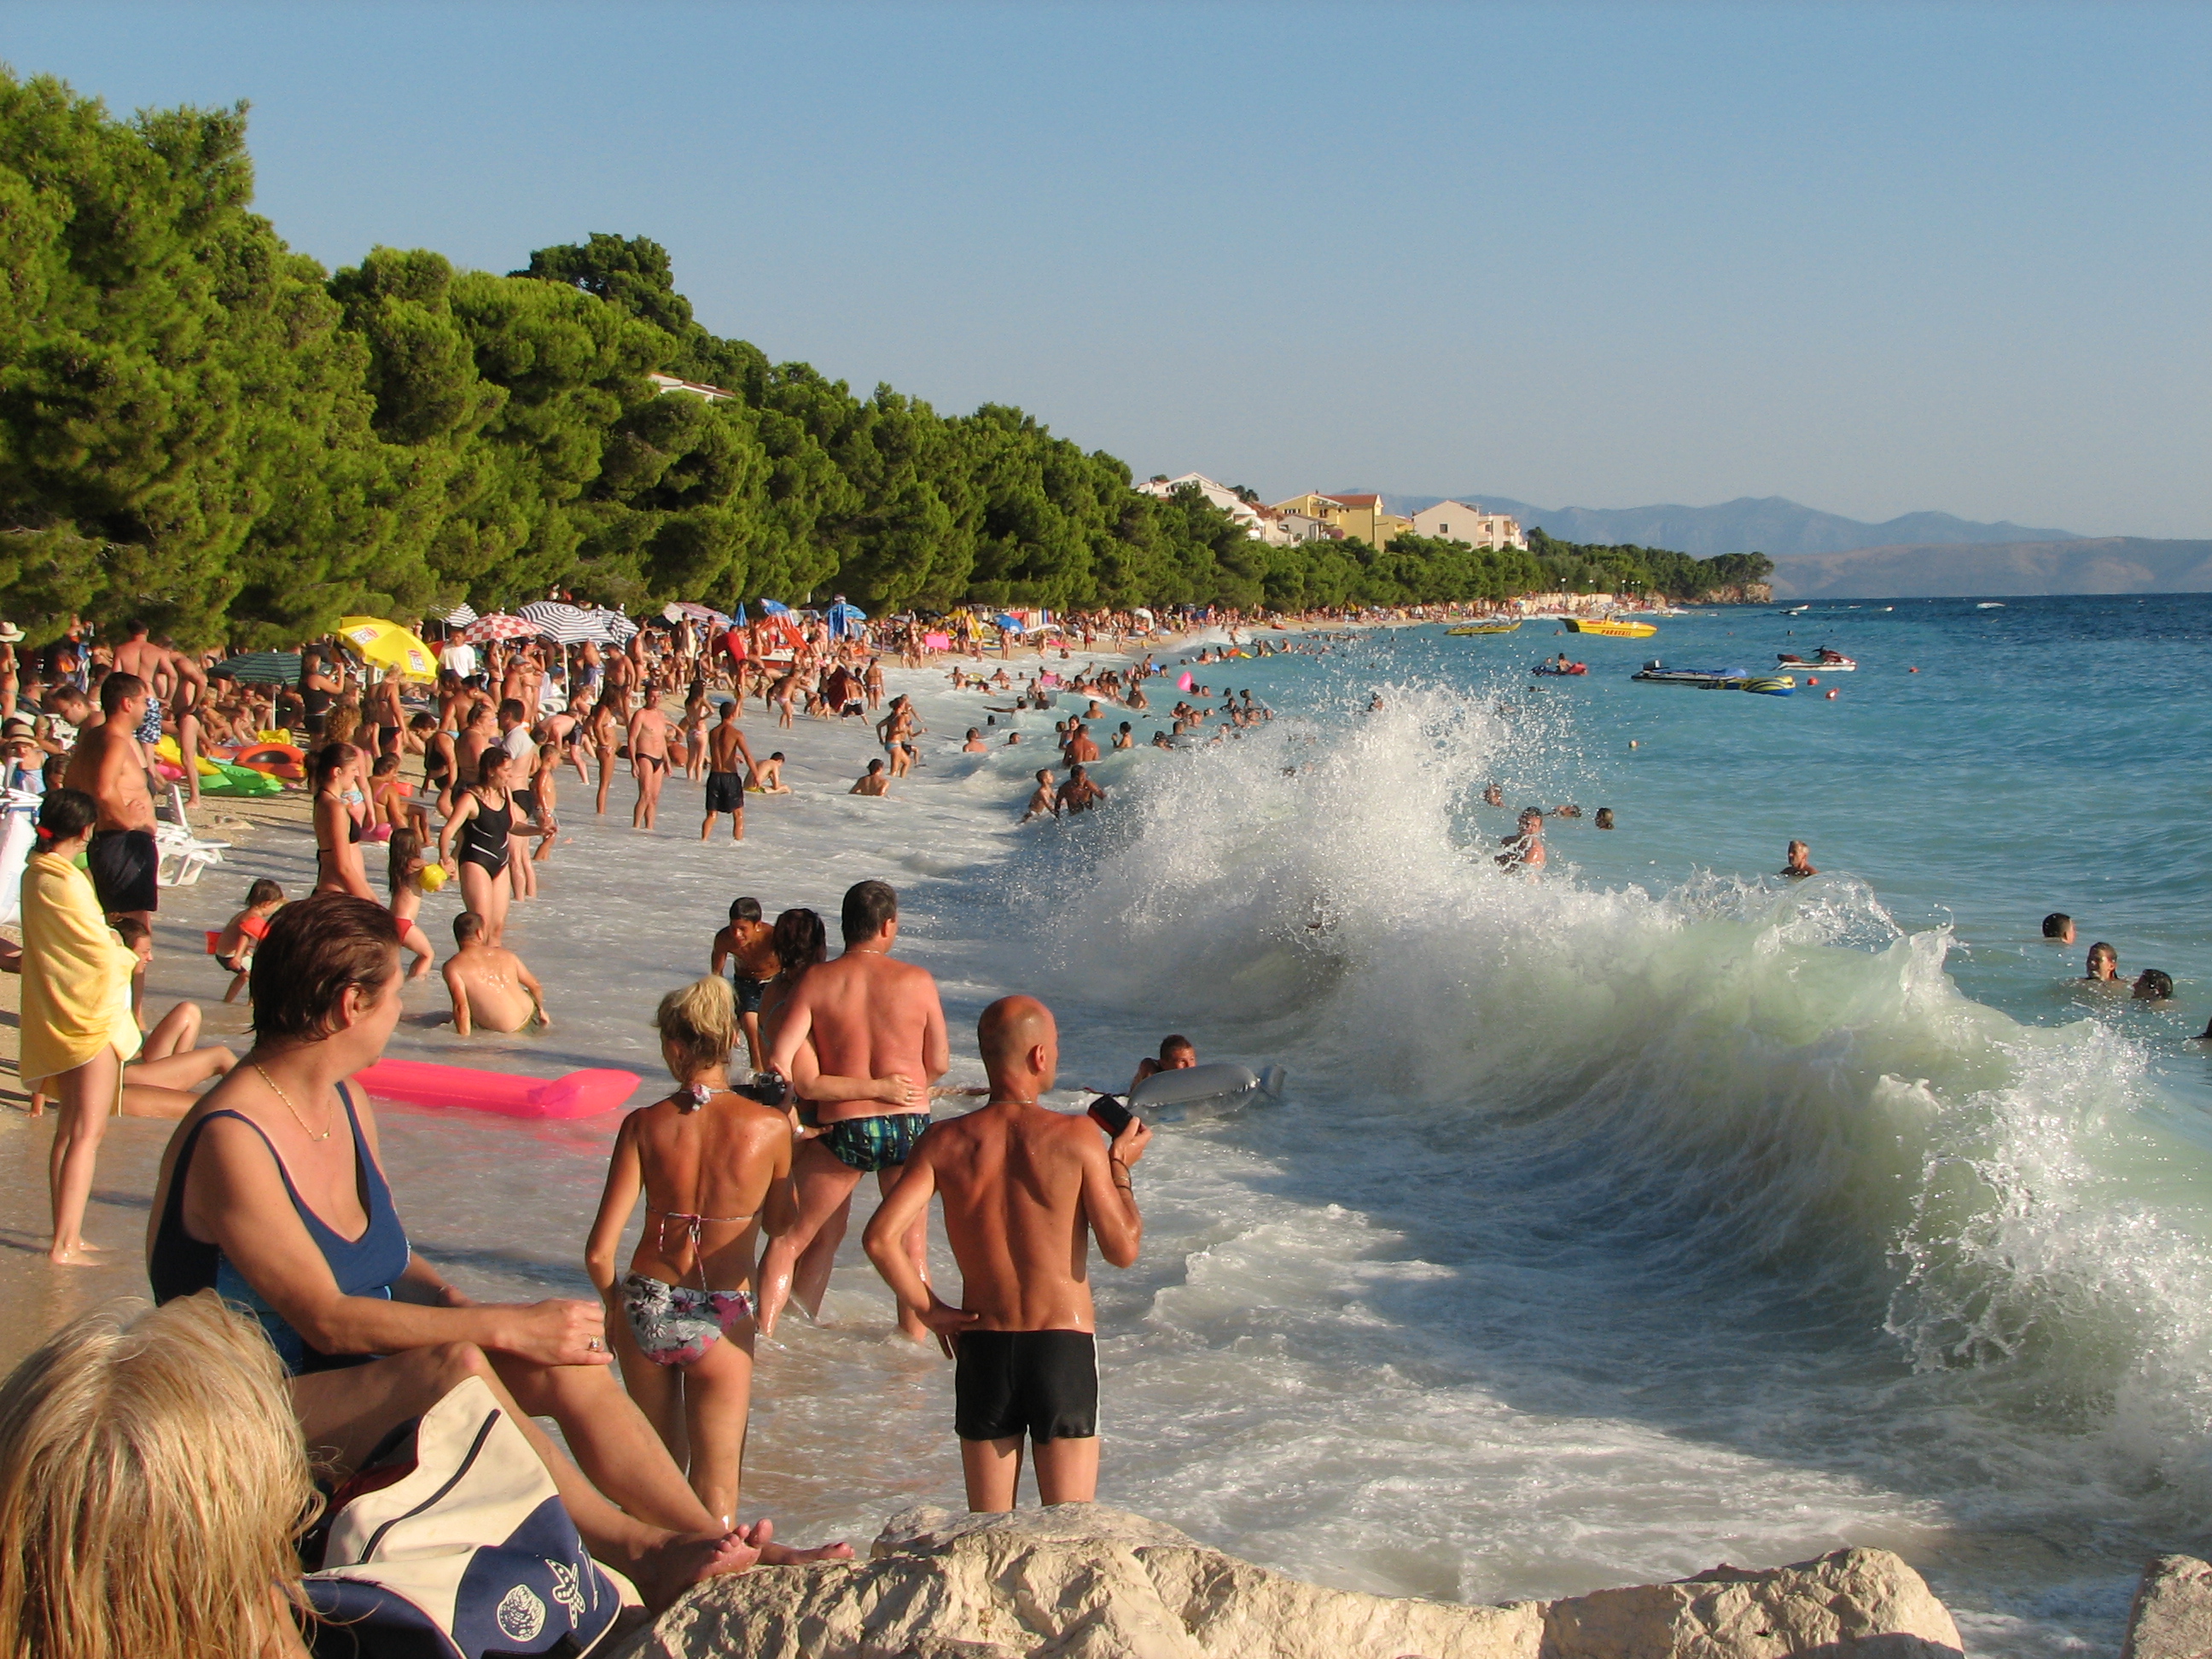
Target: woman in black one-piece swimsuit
[484, 818]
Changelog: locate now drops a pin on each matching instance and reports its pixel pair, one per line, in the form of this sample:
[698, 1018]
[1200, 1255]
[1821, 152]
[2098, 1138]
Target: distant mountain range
[2111, 564]
[1772, 525]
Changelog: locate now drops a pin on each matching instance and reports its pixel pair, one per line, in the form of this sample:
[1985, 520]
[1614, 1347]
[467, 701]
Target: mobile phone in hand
[1110, 1114]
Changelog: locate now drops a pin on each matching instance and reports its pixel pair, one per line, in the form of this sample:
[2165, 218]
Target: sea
[1651, 1213]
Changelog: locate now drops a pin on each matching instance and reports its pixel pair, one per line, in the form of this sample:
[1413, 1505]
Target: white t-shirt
[461, 657]
[520, 744]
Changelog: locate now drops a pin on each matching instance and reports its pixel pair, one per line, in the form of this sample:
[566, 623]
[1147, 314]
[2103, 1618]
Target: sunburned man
[726, 785]
[489, 985]
[1025, 1187]
[863, 1036]
[1797, 863]
[747, 946]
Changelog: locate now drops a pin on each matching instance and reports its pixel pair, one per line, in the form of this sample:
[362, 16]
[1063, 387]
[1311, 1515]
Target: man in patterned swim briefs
[863, 1037]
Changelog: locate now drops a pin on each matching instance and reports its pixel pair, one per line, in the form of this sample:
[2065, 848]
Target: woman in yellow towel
[77, 1028]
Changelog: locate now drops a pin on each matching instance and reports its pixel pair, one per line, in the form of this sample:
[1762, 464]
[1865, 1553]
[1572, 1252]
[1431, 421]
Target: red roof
[1355, 501]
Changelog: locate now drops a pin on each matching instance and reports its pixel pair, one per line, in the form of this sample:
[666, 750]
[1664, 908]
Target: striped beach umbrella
[460, 616]
[572, 625]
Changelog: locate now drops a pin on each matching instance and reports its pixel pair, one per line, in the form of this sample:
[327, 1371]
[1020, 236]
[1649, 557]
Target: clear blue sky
[1876, 258]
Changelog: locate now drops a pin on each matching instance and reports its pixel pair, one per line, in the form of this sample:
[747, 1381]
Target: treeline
[1601, 568]
[199, 426]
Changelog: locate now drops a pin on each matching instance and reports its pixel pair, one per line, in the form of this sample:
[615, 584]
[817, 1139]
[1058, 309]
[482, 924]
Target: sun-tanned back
[1011, 1177]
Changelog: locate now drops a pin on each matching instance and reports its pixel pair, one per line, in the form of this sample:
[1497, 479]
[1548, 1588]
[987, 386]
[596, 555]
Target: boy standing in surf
[1022, 1184]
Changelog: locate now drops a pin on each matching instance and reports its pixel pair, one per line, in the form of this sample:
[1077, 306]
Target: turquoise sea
[1654, 1213]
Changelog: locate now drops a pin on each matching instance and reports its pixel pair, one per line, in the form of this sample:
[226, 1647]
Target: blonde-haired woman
[152, 1481]
[714, 1168]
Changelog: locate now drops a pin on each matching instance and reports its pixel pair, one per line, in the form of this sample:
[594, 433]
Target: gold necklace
[330, 1118]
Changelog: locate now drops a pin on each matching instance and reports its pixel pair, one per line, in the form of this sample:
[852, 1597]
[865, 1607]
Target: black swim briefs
[122, 863]
[868, 1144]
[1041, 1383]
[726, 793]
[749, 991]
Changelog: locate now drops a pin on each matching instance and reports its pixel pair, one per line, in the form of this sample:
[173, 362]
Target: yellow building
[1362, 517]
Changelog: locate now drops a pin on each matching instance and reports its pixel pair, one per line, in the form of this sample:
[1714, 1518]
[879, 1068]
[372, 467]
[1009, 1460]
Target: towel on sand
[76, 974]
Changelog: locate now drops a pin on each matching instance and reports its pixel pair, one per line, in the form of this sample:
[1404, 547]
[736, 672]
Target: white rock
[1084, 1581]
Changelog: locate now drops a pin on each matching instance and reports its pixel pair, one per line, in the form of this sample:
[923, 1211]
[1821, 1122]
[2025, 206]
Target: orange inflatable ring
[278, 760]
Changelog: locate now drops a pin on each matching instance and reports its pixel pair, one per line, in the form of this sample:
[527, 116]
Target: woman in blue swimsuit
[272, 1191]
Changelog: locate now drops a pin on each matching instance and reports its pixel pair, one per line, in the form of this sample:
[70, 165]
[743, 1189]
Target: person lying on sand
[489, 985]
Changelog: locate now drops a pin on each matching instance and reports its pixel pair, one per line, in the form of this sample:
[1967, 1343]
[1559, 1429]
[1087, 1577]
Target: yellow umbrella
[388, 645]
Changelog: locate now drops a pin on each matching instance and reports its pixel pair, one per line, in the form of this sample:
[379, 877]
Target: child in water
[404, 877]
[713, 1167]
[768, 776]
[233, 946]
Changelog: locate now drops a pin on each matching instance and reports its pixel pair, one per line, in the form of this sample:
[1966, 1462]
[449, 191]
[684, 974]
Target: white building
[1455, 521]
[665, 384]
[1260, 522]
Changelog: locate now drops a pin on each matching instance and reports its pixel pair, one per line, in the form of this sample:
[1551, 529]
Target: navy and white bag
[451, 1543]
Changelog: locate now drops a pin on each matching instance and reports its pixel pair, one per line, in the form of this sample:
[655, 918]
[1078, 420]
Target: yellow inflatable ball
[433, 877]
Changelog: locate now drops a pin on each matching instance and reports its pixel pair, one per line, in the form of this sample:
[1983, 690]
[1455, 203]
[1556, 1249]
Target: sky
[1875, 258]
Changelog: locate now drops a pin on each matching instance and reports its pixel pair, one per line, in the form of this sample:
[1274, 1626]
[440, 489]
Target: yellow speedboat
[1485, 628]
[1616, 630]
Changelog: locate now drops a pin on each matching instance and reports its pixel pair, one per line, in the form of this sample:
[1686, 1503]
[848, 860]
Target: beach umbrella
[1006, 620]
[387, 644]
[843, 616]
[739, 620]
[620, 629]
[460, 617]
[692, 608]
[259, 667]
[497, 626]
[570, 624]
[775, 608]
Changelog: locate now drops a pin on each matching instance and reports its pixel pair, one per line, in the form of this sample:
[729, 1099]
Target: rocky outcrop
[1084, 1581]
[2171, 1618]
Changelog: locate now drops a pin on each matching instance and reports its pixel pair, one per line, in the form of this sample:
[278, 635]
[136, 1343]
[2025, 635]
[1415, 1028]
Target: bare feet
[773, 1554]
[666, 1570]
[78, 1255]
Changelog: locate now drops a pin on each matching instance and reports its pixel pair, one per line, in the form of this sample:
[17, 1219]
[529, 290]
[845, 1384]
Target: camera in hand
[1110, 1114]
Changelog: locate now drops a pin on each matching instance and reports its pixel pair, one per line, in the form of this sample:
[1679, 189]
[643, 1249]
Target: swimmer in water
[975, 745]
[1798, 864]
[1524, 849]
[2058, 927]
[873, 781]
[2153, 984]
[490, 987]
[1492, 795]
[1177, 1053]
[1604, 819]
[768, 776]
[2103, 967]
[1045, 803]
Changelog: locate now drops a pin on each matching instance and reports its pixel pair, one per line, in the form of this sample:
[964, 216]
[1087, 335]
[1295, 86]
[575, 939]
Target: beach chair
[182, 855]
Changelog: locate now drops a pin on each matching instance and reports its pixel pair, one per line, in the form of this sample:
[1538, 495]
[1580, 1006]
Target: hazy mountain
[1771, 525]
[2112, 564]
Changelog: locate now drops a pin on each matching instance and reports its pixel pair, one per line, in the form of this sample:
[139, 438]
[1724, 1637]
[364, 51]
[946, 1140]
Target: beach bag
[451, 1543]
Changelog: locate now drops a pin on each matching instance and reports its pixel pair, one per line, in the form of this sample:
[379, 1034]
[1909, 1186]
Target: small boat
[1990, 605]
[1483, 628]
[1560, 668]
[1616, 630]
[1835, 662]
[1717, 680]
[1793, 611]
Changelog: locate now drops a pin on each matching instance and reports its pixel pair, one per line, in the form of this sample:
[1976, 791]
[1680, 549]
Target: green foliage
[198, 426]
